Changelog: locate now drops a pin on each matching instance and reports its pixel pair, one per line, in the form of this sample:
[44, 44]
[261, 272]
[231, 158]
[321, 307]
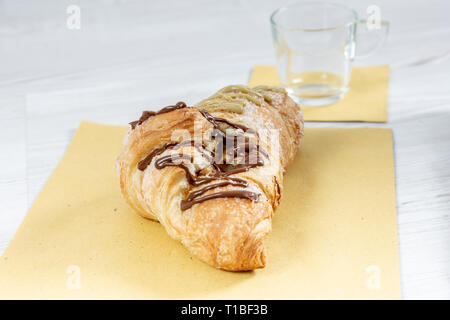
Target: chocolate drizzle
[173, 160]
[244, 167]
[234, 182]
[143, 164]
[214, 120]
[278, 186]
[238, 145]
[224, 194]
[148, 114]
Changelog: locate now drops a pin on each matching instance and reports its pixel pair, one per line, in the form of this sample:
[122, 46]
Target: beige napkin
[366, 100]
[334, 235]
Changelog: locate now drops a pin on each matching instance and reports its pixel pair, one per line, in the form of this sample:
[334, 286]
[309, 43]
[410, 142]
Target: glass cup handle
[370, 37]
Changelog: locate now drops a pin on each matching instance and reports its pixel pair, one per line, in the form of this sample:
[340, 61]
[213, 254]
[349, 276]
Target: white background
[135, 55]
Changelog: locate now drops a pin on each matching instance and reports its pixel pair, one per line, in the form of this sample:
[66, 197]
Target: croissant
[212, 173]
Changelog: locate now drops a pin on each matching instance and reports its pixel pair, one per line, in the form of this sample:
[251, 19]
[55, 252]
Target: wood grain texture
[131, 55]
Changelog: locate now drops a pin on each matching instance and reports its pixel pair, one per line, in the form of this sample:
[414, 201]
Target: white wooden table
[131, 55]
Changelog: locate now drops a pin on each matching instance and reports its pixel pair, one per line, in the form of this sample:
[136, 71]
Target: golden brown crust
[227, 233]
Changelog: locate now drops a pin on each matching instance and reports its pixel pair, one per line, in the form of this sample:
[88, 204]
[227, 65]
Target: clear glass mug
[315, 46]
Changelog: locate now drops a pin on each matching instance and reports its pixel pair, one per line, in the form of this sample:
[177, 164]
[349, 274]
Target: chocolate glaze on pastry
[148, 114]
[229, 146]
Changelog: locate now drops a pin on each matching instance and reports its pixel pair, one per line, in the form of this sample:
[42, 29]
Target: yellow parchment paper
[334, 235]
[366, 100]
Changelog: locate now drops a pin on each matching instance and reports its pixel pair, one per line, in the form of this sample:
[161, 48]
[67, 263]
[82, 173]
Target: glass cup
[315, 46]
